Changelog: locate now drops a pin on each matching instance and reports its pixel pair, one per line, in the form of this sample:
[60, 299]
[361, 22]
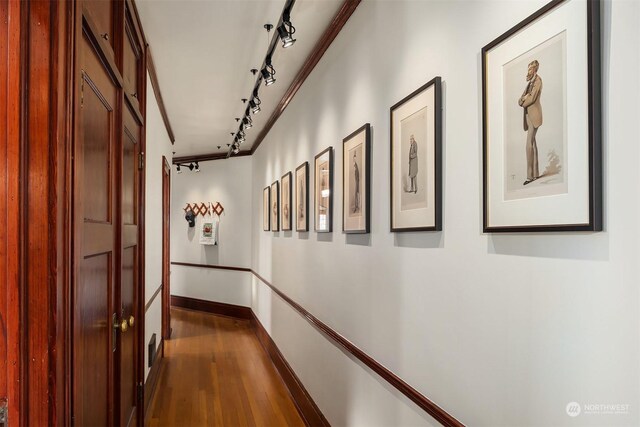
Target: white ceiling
[203, 51]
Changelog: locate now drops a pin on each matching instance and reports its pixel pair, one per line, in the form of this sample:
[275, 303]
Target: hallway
[216, 373]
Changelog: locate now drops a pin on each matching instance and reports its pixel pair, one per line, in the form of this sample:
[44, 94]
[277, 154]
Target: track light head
[179, 171]
[286, 31]
[248, 123]
[235, 149]
[255, 107]
[267, 74]
[197, 167]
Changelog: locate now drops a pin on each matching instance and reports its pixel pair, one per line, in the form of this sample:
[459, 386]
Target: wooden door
[96, 324]
[106, 197]
[166, 274]
[130, 266]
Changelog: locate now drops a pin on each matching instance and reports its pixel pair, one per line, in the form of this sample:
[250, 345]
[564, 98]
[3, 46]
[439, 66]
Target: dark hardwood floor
[216, 373]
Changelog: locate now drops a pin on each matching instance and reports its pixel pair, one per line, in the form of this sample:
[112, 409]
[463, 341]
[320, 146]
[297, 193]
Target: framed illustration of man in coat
[541, 122]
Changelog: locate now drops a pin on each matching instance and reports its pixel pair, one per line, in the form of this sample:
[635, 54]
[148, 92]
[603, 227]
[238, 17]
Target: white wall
[158, 145]
[499, 330]
[227, 182]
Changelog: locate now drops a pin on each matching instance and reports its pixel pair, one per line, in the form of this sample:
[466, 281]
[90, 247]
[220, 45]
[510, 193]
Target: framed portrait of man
[286, 201]
[302, 197]
[266, 209]
[541, 122]
[275, 206]
[356, 181]
[323, 191]
[416, 160]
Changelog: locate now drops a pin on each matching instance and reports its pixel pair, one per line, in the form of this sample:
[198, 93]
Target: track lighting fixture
[286, 31]
[191, 166]
[255, 102]
[268, 73]
[255, 106]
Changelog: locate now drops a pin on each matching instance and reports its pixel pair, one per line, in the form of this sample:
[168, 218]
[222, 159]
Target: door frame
[35, 112]
[166, 249]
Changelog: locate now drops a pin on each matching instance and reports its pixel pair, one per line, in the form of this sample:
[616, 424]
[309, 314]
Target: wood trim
[217, 267]
[153, 379]
[156, 90]
[334, 28]
[219, 308]
[166, 249]
[34, 139]
[142, 248]
[207, 157]
[307, 408]
[414, 395]
[153, 297]
[11, 242]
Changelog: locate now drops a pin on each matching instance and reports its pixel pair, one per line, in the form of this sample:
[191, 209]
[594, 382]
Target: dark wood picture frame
[329, 229]
[366, 128]
[275, 216]
[266, 213]
[304, 166]
[593, 62]
[287, 214]
[436, 83]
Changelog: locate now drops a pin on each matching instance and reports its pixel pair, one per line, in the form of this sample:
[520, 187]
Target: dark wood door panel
[131, 65]
[127, 340]
[129, 174]
[101, 13]
[93, 295]
[93, 342]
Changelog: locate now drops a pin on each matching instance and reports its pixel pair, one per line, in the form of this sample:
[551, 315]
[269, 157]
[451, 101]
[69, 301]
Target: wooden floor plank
[216, 373]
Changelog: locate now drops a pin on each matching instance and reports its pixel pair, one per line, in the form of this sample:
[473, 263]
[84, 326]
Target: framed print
[266, 209]
[286, 201]
[323, 191]
[275, 204]
[302, 197]
[416, 160]
[542, 123]
[356, 181]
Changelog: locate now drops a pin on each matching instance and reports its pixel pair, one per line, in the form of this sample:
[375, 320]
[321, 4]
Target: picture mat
[266, 206]
[301, 198]
[286, 200]
[573, 206]
[551, 136]
[422, 217]
[275, 226]
[356, 145]
[322, 221]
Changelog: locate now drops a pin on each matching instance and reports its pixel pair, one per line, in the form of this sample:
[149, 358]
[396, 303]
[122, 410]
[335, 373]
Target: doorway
[166, 272]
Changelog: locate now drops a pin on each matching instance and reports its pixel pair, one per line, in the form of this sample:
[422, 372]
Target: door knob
[123, 325]
[131, 321]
